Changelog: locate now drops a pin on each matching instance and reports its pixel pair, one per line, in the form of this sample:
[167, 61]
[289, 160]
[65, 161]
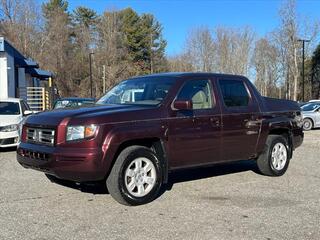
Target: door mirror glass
[182, 105]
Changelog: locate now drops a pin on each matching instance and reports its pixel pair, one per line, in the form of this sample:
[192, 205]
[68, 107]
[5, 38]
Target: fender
[280, 124]
[134, 133]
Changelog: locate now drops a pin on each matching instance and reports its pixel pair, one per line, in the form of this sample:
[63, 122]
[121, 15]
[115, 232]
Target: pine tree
[57, 48]
[315, 73]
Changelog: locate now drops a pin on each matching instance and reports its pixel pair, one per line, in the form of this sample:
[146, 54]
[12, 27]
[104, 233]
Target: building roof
[10, 99]
[39, 73]
[30, 65]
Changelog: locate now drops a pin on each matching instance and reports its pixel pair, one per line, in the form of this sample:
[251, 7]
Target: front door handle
[215, 121]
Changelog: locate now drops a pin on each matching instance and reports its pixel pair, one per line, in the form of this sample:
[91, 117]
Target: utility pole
[90, 65]
[104, 78]
[303, 43]
[151, 54]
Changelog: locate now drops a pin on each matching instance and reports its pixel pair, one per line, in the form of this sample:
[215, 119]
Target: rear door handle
[251, 123]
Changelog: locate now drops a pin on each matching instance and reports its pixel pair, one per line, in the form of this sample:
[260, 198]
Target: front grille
[40, 135]
[8, 141]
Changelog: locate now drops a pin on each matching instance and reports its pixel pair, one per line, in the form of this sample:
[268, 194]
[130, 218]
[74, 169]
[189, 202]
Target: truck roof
[188, 74]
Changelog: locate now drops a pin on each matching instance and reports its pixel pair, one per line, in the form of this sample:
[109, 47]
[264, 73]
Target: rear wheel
[136, 176]
[307, 124]
[274, 161]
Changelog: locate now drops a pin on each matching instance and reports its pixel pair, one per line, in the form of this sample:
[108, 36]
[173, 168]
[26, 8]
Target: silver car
[311, 116]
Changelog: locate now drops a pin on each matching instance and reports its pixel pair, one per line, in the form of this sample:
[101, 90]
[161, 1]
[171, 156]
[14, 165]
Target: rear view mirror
[182, 105]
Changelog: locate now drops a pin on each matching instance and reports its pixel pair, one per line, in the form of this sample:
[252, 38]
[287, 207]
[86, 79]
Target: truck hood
[6, 120]
[54, 117]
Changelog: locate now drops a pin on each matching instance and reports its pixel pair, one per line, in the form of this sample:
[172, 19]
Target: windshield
[138, 91]
[9, 108]
[72, 103]
[310, 107]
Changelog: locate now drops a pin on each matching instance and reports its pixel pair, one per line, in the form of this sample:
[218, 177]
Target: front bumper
[9, 139]
[75, 164]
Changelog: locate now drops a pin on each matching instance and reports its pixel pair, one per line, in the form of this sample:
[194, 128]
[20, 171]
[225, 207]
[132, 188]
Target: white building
[18, 72]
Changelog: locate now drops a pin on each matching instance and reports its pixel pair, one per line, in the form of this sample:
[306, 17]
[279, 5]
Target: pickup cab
[179, 120]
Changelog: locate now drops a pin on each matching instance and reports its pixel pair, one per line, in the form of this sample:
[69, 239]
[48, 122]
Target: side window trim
[22, 106]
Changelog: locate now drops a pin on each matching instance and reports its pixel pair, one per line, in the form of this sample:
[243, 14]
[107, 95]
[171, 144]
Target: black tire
[116, 179]
[264, 161]
[307, 124]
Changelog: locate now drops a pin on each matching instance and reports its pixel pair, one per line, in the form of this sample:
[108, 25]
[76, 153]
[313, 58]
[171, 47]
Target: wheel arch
[275, 126]
[285, 132]
[156, 144]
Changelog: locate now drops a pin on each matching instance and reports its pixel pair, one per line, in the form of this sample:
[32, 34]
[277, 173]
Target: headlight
[81, 132]
[10, 128]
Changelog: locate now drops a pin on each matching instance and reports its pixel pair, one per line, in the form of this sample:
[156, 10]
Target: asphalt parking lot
[222, 202]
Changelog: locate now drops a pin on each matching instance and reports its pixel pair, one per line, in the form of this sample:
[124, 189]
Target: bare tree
[200, 49]
[266, 65]
[20, 23]
[224, 50]
[234, 48]
[180, 63]
[286, 38]
[111, 53]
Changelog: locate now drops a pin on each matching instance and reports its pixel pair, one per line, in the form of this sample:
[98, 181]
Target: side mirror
[27, 112]
[182, 105]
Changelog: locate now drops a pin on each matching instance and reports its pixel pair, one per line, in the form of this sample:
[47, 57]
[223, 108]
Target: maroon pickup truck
[147, 126]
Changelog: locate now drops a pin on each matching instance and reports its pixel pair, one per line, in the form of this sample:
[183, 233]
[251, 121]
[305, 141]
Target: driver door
[194, 135]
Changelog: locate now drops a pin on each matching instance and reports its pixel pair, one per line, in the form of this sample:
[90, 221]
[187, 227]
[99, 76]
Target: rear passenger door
[240, 125]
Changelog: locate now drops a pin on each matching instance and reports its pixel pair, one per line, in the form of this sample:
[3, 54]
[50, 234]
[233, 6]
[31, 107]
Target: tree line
[123, 43]
[273, 62]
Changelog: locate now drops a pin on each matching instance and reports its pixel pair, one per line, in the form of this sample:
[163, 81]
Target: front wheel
[136, 176]
[274, 161]
[307, 124]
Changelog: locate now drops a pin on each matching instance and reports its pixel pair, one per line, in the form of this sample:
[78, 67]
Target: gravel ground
[222, 202]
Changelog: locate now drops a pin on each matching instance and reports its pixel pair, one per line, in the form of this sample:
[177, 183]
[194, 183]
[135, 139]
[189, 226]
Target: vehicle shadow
[178, 176]
[90, 187]
[211, 171]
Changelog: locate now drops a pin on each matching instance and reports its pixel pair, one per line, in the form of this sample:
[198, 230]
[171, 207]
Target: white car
[311, 115]
[12, 113]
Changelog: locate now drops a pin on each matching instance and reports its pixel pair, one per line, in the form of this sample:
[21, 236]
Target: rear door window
[234, 93]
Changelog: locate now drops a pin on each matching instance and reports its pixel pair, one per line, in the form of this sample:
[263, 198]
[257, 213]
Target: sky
[178, 17]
